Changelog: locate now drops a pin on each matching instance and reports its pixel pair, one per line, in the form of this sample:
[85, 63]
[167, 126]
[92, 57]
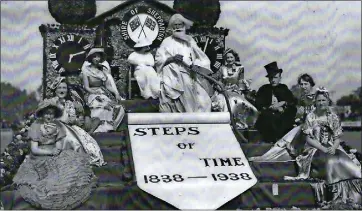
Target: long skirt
[64, 181]
[104, 107]
[342, 175]
[285, 149]
[148, 82]
[77, 138]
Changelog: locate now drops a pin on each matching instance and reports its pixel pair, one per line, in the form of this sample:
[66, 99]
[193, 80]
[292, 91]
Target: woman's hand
[325, 149]
[56, 151]
[331, 150]
[119, 98]
[98, 91]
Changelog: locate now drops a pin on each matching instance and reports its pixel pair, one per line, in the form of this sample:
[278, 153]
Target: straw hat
[142, 43]
[48, 104]
[99, 50]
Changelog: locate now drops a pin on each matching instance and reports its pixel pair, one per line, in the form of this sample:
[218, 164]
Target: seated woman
[306, 98]
[102, 94]
[290, 145]
[53, 176]
[324, 158]
[233, 77]
[146, 76]
[71, 111]
[233, 72]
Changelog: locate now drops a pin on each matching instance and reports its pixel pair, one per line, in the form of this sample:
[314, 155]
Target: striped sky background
[320, 38]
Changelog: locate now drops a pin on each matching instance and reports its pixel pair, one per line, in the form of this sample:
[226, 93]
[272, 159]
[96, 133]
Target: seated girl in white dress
[143, 61]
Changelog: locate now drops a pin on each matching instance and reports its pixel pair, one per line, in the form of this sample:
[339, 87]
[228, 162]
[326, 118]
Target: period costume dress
[103, 103]
[341, 173]
[232, 75]
[147, 78]
[233, 78]
[76, 136]
[179, 91]
[62, 181]
[243, 111]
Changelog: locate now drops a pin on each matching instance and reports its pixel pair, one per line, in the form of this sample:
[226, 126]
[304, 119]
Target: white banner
[189, 162]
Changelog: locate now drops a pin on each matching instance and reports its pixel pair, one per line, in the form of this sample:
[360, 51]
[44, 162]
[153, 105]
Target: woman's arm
[86, 84]
[337, 132]
[307, 129]
[336, 143]
[314, 143]
[38, 151]
[110, 84]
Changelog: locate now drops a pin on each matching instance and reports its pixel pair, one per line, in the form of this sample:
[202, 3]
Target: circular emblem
[143, 22]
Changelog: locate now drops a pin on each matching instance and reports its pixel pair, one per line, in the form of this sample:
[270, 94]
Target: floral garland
[15, 153]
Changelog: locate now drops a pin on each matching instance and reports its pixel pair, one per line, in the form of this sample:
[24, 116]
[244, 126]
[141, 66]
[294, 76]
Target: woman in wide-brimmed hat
[53, 176]
[102, 95]
[146, 76]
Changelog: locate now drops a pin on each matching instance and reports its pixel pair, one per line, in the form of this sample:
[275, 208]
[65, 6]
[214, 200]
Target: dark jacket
[281, 92]
[271, 124]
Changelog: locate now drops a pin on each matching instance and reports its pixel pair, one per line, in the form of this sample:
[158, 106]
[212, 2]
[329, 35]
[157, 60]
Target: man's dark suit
[273, 125]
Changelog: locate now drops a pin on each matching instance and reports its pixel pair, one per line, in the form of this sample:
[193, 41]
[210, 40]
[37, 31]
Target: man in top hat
[181, 90]
[277, 106]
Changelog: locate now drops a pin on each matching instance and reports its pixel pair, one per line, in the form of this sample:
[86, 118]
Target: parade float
[157, 160]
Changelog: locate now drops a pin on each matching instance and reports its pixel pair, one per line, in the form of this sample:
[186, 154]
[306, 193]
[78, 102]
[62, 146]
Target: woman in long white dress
[146, 76]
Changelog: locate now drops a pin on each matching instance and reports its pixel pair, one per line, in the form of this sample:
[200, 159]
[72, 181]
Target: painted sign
[190, 160]
[142, 22]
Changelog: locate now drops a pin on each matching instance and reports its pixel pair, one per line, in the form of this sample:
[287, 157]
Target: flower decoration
[15, 153]
[322, 89]
[56, 82]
